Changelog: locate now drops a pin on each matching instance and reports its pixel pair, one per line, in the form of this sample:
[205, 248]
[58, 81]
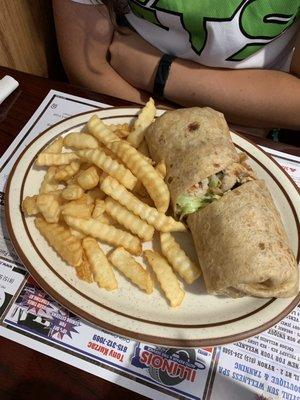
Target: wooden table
[25, 373]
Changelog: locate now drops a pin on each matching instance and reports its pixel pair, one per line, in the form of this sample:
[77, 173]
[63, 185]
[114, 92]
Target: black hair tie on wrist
[161, 76]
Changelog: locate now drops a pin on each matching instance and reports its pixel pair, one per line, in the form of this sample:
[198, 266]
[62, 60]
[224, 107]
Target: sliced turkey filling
[210, 189]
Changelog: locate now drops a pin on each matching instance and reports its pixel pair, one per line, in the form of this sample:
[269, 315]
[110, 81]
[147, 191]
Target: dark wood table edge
[114, 101]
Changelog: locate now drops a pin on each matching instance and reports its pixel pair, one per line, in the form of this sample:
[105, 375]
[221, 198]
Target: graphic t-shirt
[220, 33]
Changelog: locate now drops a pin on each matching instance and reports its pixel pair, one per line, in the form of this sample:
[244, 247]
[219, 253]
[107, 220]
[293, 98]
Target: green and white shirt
[220, 33]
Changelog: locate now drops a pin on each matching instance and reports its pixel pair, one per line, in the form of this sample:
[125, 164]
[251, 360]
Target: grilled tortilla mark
[193, 126]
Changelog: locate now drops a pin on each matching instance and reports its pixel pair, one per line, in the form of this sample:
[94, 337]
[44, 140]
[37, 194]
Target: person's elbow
[83, 37]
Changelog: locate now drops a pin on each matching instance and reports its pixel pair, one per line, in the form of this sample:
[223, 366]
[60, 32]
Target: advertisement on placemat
[183, 369]
[179, 371]
[11, 278]
[268, 363]
[36, 312]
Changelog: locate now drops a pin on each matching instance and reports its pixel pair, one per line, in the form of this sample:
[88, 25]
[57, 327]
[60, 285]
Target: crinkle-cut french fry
[98, 209]
[243, 157]
[147, 159]
[101, 131]
[125, 263]
[80, 141]
[49, 207]
[95, 194]
[130, 221]
[55, 147]
[57, 194]
[106, 233]
[77, 234]
[145, 172]
[178, 259]
[101, 268]
[145, 118]
[72, 192]
[161, 168]
[152, 181]
[86, 199]
[144, 152]
[83, 167]
[160, 221]
[110, 166]
[100, 215]
[102, 177]
[84, 129]
[114, 127]
[77, 208]
[84, 270]
[29, 206]
[166, 277]
[49, 183]
[109, 153]
[49, 159]
[67, 172]
[88, 179]
[106, 219]
[60, 238]
[122, 130]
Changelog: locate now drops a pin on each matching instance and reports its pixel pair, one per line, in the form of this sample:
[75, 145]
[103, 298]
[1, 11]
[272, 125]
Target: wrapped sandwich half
[239, 237]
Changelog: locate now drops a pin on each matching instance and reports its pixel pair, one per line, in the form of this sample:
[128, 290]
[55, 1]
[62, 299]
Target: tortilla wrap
[195, 143]
[242, 245]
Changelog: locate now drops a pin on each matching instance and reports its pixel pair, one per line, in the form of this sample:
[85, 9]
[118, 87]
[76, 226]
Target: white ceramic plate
[202, 319]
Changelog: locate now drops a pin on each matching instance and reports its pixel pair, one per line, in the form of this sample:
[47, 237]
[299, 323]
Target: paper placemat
[263, 367]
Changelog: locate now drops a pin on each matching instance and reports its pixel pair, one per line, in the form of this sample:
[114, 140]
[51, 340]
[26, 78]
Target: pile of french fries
[101, 186]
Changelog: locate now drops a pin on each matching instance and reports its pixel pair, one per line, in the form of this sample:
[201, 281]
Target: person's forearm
[258, 98]
[106, 81]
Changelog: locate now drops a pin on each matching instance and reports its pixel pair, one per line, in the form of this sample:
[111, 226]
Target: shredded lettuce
[189, 204]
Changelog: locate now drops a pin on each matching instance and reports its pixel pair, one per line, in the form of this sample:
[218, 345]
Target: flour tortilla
[195, 143]
[242, 245]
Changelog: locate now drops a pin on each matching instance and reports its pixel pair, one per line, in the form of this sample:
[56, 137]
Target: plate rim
[158, 340]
